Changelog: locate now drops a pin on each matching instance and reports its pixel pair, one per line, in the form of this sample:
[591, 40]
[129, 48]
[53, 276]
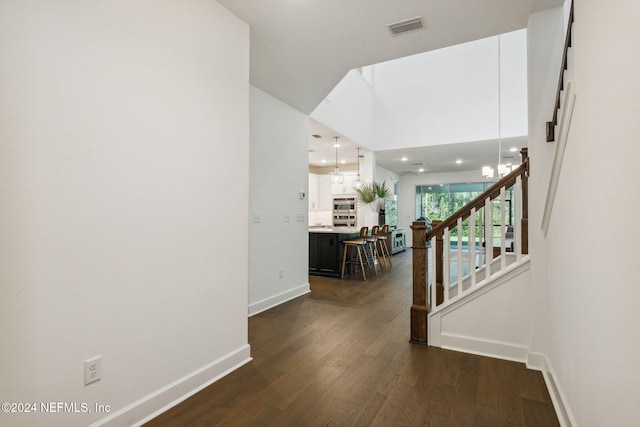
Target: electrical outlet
[92, 370]
[300, 217]
[256, 217]
[281, 273]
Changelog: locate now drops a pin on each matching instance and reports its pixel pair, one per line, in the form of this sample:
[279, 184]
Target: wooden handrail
[567, 44]
[420, 308]
[492, 192]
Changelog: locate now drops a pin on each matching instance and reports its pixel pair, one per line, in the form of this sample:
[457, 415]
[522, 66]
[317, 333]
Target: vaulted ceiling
[300, 49]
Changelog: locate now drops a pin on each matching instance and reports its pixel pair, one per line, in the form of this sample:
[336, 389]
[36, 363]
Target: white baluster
[459, 253]
[517, 195]
[472, 246]
[446, 276]
[503, 229]
[488, 237]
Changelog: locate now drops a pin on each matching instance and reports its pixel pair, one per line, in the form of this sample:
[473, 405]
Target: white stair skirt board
[282, 297]
[447, 329]
[152, 405]
[540, 362]
[485, 347]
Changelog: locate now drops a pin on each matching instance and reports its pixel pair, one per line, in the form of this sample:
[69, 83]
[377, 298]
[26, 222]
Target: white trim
[485, 347]
[539, 361]
[153, 404]
[563, 133]
[267, 303]
[474, 345]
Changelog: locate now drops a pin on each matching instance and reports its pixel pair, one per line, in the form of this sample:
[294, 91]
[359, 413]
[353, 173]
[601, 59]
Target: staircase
[468, 308]
[563, 82]
[557, 129]
[490, 238]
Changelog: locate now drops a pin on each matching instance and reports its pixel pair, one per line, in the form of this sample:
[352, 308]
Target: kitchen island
[326, 249]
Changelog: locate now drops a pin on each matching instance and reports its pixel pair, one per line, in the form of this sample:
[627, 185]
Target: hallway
[340, 356]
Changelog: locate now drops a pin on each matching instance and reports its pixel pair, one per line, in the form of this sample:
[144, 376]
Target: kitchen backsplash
[320, 217]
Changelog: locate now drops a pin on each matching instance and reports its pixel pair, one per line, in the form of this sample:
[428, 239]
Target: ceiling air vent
[406, 25]
[316, 136]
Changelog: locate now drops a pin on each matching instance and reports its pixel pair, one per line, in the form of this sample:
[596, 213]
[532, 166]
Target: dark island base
[326, 251]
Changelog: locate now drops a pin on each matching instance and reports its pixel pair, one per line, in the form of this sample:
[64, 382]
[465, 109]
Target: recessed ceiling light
[513, 149]
[323, 161]
[404, 159]
[343, 161]
[458, 161]
[421, 170]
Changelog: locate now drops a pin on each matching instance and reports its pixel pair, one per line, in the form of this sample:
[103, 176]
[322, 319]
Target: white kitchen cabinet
[324, 192]
[313, 191]
[346, 187]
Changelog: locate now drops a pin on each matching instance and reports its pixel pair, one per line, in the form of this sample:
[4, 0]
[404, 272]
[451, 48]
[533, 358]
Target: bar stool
[384, 249]
[372, 243]
[357, 244]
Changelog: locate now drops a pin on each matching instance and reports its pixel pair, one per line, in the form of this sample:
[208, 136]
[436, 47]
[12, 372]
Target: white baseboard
[515, 353]
[152, 405]
[267, 303]
[484, 347]
[537, 362]
[540, 362]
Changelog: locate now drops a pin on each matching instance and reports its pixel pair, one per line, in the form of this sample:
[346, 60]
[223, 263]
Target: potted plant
[373, 194]
[366, 195]
[382, 192]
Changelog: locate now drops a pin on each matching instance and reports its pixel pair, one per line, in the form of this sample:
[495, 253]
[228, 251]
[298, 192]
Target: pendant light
[336, 176]
[488, 171]
[357, 184]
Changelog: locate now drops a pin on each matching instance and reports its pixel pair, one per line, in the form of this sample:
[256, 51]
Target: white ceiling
[433, 159]
[300, 49]
[323, 148]
[442, 158]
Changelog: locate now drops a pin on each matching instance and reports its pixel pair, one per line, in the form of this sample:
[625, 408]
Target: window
[439, 201]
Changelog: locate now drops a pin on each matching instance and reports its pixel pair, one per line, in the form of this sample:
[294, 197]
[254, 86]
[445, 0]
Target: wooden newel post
[525, 201]
[419, 308]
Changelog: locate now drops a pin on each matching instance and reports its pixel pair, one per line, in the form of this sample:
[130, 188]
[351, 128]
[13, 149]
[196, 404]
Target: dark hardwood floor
[340, 356]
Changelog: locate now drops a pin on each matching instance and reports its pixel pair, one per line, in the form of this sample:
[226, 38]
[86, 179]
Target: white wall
[279, 172]
[389, 177]
[591, 295]
[545, 44]
[122, 122]
[348, 109]
[434, 98]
